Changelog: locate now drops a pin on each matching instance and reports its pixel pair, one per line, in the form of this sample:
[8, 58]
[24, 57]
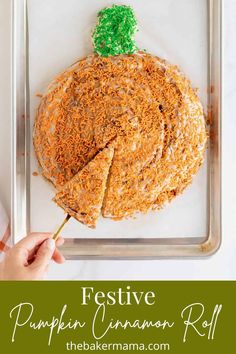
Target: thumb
[44, 255]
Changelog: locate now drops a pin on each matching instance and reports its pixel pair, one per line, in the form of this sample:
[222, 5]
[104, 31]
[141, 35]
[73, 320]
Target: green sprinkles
[115, 31]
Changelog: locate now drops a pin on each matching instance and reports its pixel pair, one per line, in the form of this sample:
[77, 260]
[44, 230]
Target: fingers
[60, 241]
[44, 255]
[28, 245]
[35, 252]
[30, 258]
[57, 256]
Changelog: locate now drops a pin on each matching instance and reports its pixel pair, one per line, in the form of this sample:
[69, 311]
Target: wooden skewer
[56, 235]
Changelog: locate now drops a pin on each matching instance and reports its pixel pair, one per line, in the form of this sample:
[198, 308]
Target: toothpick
[56, 235]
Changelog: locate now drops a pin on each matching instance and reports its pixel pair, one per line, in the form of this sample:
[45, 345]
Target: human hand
[29, 259]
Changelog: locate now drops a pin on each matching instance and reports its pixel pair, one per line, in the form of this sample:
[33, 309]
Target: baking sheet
[59, 34]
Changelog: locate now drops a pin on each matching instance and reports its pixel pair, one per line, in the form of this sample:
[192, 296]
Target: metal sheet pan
[130, 240]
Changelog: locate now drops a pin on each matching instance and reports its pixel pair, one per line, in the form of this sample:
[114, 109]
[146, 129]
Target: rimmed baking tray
[187, 33]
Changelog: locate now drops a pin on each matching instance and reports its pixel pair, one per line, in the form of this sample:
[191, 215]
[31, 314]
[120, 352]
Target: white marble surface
[220, 266]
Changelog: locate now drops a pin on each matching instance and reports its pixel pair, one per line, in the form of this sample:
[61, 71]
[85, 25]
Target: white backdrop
[220, 266]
